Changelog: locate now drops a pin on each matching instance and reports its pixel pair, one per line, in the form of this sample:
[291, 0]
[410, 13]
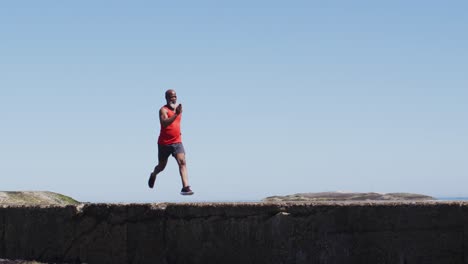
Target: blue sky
[279, 97]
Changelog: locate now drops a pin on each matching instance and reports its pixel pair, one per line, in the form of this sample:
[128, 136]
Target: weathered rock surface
[275, 233]
[348, 196]
[35, 198]
[10, 261]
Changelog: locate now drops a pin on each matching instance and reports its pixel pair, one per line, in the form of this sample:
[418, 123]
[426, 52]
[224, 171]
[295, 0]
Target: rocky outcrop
[35, 198]
[313, 232]
[10, 261]
[348, 196]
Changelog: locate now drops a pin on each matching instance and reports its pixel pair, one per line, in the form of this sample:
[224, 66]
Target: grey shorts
[164, 151]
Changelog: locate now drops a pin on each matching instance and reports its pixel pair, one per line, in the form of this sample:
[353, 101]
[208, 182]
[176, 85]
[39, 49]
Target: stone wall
[384, 232]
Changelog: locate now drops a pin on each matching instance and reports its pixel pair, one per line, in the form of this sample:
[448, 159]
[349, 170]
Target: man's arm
[166, 121]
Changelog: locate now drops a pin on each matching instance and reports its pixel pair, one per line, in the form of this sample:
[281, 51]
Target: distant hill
[35, 198]
[348, 196]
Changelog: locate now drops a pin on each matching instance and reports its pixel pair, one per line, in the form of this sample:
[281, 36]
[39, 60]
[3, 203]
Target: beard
[173, 105]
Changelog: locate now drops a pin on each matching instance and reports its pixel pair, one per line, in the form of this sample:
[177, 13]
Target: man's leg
[163, 156]
[160, 167]
[180, 157]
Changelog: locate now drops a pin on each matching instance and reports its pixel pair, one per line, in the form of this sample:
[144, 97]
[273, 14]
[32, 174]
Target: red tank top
[170, 134]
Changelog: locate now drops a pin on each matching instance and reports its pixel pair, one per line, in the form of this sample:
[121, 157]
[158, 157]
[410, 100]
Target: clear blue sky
[279, 97]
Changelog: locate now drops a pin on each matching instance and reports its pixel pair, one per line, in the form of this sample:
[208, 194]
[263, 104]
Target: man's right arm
[166, 121]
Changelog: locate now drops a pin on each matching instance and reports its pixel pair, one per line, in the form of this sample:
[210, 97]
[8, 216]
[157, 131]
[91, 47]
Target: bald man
[170, 141]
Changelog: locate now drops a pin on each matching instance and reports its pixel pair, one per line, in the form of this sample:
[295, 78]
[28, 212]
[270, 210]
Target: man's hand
[178, 109]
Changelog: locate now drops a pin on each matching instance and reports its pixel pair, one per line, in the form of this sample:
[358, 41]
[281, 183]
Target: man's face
[171, 97]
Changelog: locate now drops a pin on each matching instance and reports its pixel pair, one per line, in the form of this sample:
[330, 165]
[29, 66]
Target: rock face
[35, 198]
[348, 196]
[230, 233]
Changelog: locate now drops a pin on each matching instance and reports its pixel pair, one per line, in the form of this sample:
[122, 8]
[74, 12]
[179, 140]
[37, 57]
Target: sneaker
[151, 180]
[186, 191]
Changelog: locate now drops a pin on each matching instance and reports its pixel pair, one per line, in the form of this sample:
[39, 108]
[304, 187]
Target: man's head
[171, 96]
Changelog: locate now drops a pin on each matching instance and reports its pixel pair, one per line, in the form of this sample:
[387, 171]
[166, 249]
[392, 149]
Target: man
[170, 141]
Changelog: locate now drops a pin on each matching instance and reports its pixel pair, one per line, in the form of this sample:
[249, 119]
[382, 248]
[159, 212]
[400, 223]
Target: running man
[170, 141]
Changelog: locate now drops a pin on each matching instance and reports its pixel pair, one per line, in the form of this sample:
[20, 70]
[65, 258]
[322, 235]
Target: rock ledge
[348, 196]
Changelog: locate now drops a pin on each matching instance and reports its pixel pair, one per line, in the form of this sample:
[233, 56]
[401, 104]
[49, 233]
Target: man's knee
[161, 165]
[181, 161]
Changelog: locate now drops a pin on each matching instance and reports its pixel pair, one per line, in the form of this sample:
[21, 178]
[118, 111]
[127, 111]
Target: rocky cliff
[319, 232]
